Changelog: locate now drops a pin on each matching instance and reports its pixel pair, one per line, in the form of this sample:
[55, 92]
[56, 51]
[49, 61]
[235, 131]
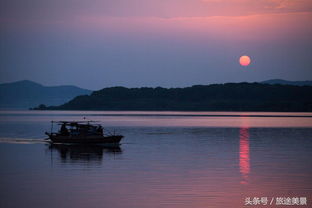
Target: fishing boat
[82, 132]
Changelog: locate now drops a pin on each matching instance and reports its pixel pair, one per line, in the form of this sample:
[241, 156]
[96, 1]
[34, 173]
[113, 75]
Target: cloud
[66, 9]
[245, 7]
[252, 19]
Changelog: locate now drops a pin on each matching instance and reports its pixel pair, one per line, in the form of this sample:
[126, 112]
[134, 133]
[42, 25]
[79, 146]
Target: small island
[214, 97]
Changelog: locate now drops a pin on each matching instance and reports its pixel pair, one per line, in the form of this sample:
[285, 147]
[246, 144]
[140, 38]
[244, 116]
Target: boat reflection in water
[83, 153]
[244, 159]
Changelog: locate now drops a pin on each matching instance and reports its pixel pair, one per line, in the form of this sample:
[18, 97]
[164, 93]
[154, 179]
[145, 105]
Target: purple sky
[170, 43]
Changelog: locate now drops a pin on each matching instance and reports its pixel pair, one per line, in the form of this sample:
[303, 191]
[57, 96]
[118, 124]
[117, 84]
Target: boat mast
[51, 126]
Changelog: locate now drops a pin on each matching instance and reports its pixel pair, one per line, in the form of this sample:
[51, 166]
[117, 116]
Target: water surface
[167, 159]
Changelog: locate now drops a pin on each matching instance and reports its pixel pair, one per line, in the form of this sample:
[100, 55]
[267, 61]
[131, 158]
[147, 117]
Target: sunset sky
[170, 43]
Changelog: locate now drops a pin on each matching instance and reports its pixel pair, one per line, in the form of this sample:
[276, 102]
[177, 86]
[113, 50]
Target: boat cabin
[79, 128]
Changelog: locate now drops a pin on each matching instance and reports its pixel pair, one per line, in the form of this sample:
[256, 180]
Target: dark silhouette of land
[215, 97]
[286, 82]
[25, 94]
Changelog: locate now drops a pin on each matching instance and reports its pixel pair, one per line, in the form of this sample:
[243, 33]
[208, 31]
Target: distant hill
[216, 97]
[285, 82]
[25, 94]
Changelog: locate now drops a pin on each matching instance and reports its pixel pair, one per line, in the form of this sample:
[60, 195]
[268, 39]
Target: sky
[170, 43]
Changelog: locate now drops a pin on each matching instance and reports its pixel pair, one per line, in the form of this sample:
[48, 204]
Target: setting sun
[244, 60]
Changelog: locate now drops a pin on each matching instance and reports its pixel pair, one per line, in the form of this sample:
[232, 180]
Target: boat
[82, 132]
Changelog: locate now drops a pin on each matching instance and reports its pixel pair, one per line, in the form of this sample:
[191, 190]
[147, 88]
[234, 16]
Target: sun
[244, 60]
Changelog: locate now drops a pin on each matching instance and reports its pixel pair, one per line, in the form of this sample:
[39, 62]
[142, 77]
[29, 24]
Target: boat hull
[114, 139]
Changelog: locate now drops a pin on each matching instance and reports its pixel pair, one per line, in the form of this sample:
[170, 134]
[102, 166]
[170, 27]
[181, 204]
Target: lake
[167, 159]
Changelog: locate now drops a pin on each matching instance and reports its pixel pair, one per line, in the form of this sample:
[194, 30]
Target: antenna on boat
[51, 126]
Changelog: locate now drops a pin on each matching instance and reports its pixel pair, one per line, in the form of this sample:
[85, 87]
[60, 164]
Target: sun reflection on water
[244, 158]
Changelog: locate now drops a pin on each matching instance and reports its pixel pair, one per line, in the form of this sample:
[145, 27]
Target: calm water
[167, 159]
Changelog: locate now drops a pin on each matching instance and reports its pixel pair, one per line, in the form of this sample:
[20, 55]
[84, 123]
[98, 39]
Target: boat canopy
[76, 123]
